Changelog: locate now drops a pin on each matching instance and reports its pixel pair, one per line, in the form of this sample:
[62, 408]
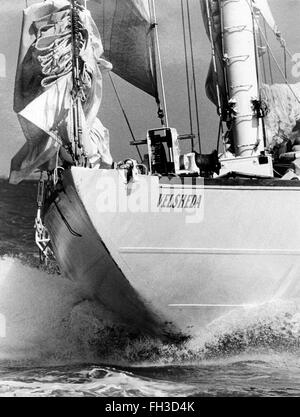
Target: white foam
[46, 316]
[49, 321]
[87, 383]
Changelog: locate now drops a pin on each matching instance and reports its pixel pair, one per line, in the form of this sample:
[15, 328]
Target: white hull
[161, 273]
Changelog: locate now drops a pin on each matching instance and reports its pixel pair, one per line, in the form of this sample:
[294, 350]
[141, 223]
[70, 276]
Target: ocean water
[52, 342]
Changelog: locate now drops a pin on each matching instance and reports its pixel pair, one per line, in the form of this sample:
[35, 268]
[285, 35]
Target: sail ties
[54, 50]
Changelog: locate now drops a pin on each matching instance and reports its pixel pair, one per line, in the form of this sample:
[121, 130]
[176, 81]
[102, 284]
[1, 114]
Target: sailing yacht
[177, 240]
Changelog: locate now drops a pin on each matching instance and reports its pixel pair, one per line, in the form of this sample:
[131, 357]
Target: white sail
[44, 85]
[264, 9]
[214, 77]
[125, 28]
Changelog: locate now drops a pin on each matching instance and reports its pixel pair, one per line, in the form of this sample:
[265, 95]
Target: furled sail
[44, 87]
[126, 32]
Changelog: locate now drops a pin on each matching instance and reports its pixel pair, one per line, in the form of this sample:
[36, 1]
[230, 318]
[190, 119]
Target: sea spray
[48, 320]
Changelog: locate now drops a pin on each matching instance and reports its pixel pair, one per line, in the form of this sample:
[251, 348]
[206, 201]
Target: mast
[77, 92]
[241, 71]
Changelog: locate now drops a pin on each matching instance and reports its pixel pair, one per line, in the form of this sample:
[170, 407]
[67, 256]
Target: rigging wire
[103, 26]
[155, 24]
[226, 83]
[278, 65]
[187, 72]
[268, 52]
[194, 73]
[259, 81]
[214, 61]
[285, 64]
[220, 134]
[125, 115]
[282, 42]
[263, 58]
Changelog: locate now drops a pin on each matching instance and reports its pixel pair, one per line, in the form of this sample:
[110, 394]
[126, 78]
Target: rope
[221, 56]
[263, 60]
[194, 73]
[153, 12]
[268, 51]
[286, 51]
[213, 53]
[220, 133]
[66, 222]
[285, 62]
[273, 56]
[187, 71]
[125, 115]
[259, 82]
[279, 68]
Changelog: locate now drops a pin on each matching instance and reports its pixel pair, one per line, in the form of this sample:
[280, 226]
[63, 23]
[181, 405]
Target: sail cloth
[44, 84]
[282, 120]
[214, 78]
[127, 36]
[264, 9]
